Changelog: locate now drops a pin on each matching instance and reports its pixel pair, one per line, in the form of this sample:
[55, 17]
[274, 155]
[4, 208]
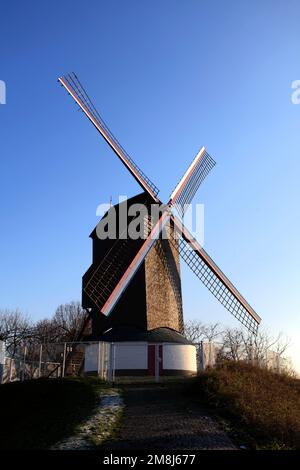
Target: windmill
[112, 284]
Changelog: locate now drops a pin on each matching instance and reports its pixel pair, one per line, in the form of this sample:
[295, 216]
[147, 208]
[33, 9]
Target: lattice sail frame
[78, 93]
[136, 262]
[112, 267]
[107, 274]
[216, 286]
[189, 184]
[213, 278]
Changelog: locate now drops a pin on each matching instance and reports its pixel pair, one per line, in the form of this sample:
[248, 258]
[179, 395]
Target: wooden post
[157, 363]
[24, 363]
[10, 368]
[99, 359]
[114, 363]
[40, 361]
[103, 350]
[64, 360]
[110, 361]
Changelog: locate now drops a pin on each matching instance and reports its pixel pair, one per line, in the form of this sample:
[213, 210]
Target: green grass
[37, 413]
[264, 407]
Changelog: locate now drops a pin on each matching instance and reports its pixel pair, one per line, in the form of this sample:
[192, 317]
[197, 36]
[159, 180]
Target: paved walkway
[162, 417]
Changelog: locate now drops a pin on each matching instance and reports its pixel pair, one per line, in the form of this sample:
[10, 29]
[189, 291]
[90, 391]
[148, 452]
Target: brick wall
[163, 286]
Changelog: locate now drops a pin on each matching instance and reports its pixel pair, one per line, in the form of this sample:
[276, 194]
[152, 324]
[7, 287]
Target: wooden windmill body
[152, 300]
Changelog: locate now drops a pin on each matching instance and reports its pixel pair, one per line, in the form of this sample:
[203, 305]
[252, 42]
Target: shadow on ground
[165, 416]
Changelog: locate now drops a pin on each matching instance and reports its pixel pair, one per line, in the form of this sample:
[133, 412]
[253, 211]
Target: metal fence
[210, 353]
[55, 360]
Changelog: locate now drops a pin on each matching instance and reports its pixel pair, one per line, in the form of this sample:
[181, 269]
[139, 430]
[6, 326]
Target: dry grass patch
[263, 404]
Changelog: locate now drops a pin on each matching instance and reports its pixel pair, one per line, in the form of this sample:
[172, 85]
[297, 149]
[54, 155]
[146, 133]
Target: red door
[152, 357]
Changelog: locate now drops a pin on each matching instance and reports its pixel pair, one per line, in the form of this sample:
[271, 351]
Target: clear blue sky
[168, 77]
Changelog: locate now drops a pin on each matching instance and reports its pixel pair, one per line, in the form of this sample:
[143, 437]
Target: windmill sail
[191, 180]
[104, 274]
[214, 279]
[136, 263]
[74, 87]
[99, 282]
[109, 280]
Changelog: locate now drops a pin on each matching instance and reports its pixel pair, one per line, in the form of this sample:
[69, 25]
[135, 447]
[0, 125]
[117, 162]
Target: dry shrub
[265, 404]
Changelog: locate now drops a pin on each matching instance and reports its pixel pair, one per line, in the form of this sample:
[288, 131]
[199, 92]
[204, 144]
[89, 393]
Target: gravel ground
[161, 417]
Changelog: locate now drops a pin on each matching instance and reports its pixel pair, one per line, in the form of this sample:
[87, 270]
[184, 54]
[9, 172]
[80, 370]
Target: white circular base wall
[142, 358]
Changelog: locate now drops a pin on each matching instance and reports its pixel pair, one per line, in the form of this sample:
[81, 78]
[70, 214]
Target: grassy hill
[37, 413]
[262, 406]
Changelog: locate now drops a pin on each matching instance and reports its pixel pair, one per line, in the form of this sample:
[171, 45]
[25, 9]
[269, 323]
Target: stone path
[161, 417]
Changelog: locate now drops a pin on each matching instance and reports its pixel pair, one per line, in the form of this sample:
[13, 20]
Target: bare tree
[15, 328]
[68, 321]
[232, 345]
[196, 331]
[262, 349]
[282, 343]
[212, 332]
[193, 330]
[256, 347]
[46, 331]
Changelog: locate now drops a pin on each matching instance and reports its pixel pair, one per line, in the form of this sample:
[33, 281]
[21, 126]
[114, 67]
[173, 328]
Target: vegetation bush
[35, 414]
[263, 404]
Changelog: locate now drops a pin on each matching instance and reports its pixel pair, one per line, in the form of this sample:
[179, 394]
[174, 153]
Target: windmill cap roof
[140, 198]
[157, 335]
